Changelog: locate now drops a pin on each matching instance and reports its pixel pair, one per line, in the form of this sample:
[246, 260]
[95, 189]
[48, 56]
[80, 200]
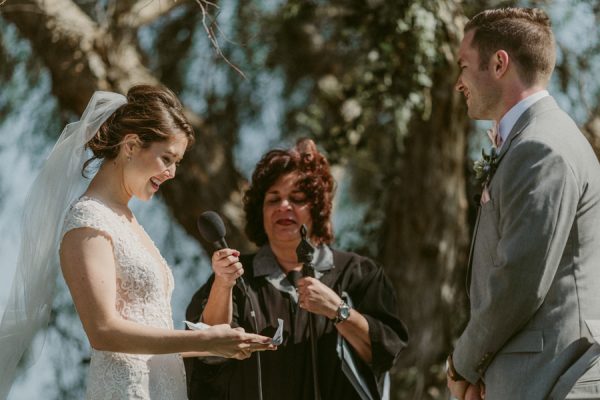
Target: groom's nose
[459, 85]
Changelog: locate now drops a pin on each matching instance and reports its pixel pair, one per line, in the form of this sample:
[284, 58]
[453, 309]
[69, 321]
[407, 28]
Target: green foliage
[364, 70]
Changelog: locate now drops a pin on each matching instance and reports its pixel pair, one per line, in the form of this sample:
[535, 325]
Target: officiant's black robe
[287, 372]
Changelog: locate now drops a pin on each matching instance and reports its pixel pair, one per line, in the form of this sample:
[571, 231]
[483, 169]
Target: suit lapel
[528, 117]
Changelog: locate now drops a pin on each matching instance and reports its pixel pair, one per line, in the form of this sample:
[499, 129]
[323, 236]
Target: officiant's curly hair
[314, 180]
[524, 33]
[153, 113]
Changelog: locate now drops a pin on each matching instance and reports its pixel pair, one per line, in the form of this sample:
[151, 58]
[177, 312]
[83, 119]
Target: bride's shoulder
[88, 212]
[87, 206]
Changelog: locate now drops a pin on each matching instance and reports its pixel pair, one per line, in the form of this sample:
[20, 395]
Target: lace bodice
[144, 285]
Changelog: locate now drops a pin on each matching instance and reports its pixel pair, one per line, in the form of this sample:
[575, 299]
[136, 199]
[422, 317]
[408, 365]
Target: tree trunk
[426, 232]
[592, 131]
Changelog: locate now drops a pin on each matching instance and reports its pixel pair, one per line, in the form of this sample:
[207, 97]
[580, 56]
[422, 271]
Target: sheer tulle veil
[58, 184]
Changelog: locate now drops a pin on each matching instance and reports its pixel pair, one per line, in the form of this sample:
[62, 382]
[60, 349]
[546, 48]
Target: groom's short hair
[524, 33]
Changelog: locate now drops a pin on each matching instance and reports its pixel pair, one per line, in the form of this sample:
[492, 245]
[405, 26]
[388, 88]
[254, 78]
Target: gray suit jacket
[535, 266]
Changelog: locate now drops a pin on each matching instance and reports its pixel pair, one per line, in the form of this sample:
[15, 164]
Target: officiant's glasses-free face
[285, 209]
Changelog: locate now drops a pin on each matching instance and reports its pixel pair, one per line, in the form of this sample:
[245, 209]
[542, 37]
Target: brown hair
[524, 33]
[153, 113]
[315, 181]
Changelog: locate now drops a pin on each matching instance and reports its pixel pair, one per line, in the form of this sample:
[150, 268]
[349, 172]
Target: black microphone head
[211, 226]
[305, 249]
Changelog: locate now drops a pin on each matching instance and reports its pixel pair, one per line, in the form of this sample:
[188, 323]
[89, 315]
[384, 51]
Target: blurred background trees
[370, 80]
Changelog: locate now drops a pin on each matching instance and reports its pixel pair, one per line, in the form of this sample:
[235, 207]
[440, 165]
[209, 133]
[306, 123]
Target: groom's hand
[471, 392]
[457, 384]
[475, 392]
[458, 388]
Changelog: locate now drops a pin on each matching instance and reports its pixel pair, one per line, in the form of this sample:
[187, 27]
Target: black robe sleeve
[373, 295]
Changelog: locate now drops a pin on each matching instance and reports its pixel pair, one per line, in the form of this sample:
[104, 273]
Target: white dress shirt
[508, 121]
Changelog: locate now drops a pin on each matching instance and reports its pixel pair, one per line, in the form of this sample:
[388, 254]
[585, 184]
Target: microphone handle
[222, 244]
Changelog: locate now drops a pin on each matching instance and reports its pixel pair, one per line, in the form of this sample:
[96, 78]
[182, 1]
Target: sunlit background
[277, 103]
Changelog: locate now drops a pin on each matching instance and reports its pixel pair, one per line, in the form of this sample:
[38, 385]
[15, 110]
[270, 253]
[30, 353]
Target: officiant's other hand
[223, 341]
[227, 267]
[317, 298]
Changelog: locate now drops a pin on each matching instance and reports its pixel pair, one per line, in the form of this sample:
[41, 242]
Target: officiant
[358, 333]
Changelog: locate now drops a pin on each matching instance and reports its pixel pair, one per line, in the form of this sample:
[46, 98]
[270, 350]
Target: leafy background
[371, 81]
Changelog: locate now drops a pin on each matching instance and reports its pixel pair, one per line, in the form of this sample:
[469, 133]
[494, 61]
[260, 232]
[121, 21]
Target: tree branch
[83, 57]
[64, 37]
[143, 12]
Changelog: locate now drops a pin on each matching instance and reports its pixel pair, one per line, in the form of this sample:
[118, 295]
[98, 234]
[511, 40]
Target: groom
[534, 268]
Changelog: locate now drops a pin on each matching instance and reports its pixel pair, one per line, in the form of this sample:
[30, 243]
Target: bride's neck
[108, 186]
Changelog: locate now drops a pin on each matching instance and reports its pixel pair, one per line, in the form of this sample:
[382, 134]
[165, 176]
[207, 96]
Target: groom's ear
[500, 63]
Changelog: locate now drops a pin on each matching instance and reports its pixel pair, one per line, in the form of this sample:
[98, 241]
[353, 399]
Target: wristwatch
[452, 373]
[342, 313]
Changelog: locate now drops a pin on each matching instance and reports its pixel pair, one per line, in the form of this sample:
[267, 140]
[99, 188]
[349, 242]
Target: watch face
[344, 312]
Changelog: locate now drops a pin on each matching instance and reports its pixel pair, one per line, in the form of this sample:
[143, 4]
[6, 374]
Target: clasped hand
[317, 298]
[464, 390]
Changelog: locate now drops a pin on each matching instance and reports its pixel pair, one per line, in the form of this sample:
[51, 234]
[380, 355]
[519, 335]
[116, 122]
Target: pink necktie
[494, 135]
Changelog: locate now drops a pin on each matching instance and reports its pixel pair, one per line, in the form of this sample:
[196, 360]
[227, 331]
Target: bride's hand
[226, 266]
[223, 341]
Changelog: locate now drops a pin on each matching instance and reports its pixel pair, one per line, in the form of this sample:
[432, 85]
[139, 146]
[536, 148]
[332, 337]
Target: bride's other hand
[223, 341]
[226, 266]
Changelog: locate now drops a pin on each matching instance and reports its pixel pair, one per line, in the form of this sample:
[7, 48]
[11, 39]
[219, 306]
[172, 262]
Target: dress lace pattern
[144, 288]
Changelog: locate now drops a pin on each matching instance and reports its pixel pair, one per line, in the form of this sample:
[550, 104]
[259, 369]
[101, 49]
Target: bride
[120, 284]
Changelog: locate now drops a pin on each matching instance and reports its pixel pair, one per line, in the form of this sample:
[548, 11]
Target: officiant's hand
[317, 298]
[227, 267]
[235, 343]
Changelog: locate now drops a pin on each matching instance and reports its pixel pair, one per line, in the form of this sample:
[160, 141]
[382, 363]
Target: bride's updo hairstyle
[153, 113]
[315, 181]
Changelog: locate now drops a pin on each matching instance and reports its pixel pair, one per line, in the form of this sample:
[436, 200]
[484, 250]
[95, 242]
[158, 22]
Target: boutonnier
[486, 166]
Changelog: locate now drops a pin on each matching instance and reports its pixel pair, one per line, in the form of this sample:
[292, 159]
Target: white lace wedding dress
[144, 287]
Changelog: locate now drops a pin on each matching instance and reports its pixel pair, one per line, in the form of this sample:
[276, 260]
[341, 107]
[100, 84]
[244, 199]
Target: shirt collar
[265, 263]
[508, 121]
